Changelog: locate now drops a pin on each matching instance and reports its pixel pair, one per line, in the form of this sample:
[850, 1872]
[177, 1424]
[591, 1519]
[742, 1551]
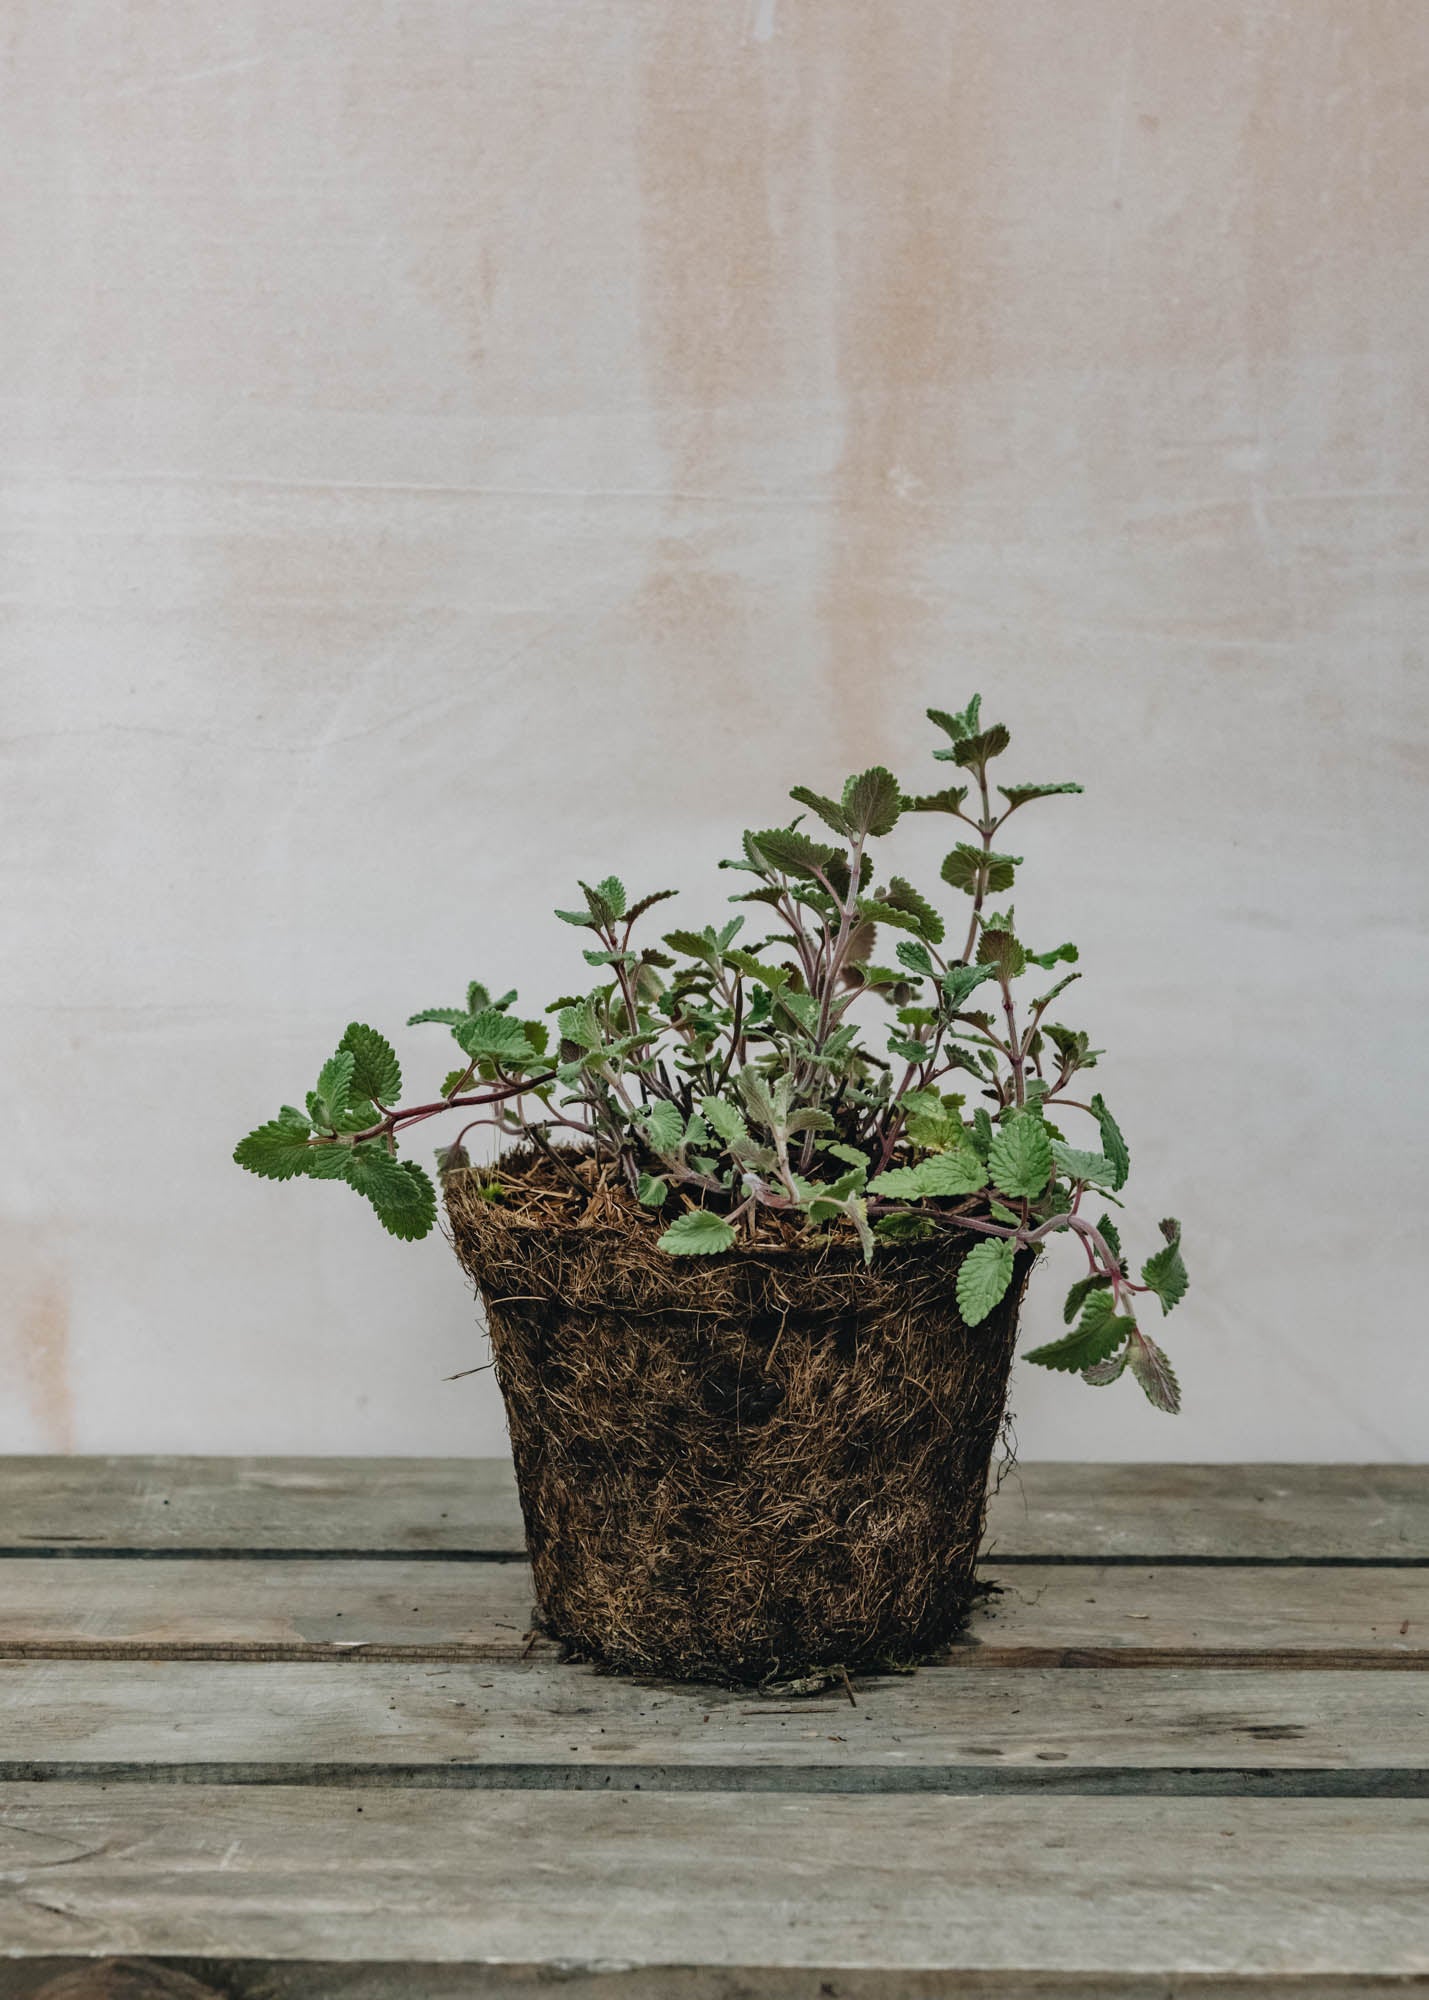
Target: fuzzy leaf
[725, 1120]
[901, 895]
[850, 1154]
[651, 1192]
[276, 1151]
[961, 981]
[957, 726]
[998, 948]
[1081, 1292]
[376, 1072]
[1101, 1373]
[872, 801]
[334, 1088]
[449, 1017]
[1079, 1166]
[983, 1278]
[790, 852]
[663, 1127]
[692, 944]
[831, 813]
[1108, 1230]
[1113, 1145]
[612, 893]
[949, 800]
[974, 751]
[648, 903]
[697, 1233]
[875, 911]
[1018, 795]
[1155, 1374]
[914, 958]
[494, 1035]
[1097, 1334]
[1164, 1271]
[1021, 1155]
[400, 1191]
[970, 869]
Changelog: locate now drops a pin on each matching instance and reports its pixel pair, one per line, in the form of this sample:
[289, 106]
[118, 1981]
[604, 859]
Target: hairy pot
[758, 1467]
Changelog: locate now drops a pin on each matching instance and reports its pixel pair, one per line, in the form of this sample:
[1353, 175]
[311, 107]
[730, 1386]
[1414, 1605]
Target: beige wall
[450, 445]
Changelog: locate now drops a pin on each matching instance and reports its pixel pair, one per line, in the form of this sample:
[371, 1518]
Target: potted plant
[751, 1264]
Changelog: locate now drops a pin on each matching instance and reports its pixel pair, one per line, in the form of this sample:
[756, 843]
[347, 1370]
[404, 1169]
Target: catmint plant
[866, 1066]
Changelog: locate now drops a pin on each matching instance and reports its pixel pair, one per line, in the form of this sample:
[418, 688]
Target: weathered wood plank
[1044, 1616]
[287, 1716]
[1119, 1889]
[1266, 1512]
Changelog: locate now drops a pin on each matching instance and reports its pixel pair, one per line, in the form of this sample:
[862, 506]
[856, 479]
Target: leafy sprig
[743, 1085]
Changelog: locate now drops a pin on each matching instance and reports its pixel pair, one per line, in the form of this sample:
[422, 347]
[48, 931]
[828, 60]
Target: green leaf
[1064, 954]
[849, 1154]
[904, 1229]
[998, 948]
[901, 895]
[960, 982]
[974, 751]
[724, 1120]
[872, 801]
[972, 870]
[334, 1088]
[1018, 795]
[1021, 1155]
[957, 726]
[1164, 1271]
[898, 1184]
[376, 1072]
[1081, 1292]
[612, 893]
[1097, 1334]
[276, 1151]
[832, 814]
[449, 1017]
[648, 903]
[1000, 1212]
[983, 1278]
[1079, 1166]
[400, 1191]
[494, 1035]
[1113, 1145]
[875, 911]
[583, 919]
[914, 957]
[693, 944]
[1110, 1234]
[664, 1126]
[697, 1233]
[1101, 1373]
[1155, 1374]
[949, 800]
[651, 1192]
[790, 852]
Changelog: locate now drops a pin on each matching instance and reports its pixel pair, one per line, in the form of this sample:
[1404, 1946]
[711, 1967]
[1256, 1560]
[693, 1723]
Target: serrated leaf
[1079, 1166]
[960, 982]
[697, 1233]
[334, 1087]
[1102, 1373]
[1018, 795]
[872, 801]
[850, 1154]
[1020, 1157]
[1080, 1292]
[1108, 1230]
[983, 1278]
[829, 811]
[809, 1119]
[901, 895]
[582, 919]
[975, 751]
[1155, 1374]
[790, 852]
[494, 1035]
[949, 800]
[275, 1151]
[651, 1192]
[612, 892]
[957, 725]
[973, 870]
[692, 944]
[663, 1126]
[449, 1017]
[1063, 954]
[904, 1229]
[648, 903]
[874, 911]
[1000, 949]
[376, 1072]
[1165, 1271]
[1113, 1145]
[400, 1191]
[724, 1120]
[914, 957]
[1097, 1334]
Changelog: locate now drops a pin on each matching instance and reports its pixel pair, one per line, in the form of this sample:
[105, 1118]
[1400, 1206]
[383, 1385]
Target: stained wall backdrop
[451, 445]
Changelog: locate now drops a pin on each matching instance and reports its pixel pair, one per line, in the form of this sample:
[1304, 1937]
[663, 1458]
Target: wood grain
[452, 1506]
[286, 1717]
[1111, 1888]
[1042, 1615]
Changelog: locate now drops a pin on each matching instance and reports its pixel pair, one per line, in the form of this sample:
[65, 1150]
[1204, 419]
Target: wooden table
[282, 1725]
